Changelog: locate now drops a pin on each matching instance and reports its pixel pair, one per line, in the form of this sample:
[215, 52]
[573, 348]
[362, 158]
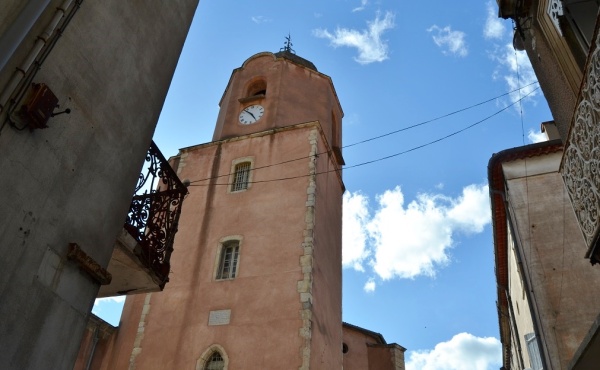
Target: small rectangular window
[229, 261]
[241, 176]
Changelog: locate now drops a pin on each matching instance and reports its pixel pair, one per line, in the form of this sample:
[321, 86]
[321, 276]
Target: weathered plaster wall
[356, 358]
[521, 320]
[266, 297]
[554, 66]
[73, 181]
[285, 302]
[383, 356]
[97, 345]
[263, 299]
[368, 352]
[327, 264]
[552, 250]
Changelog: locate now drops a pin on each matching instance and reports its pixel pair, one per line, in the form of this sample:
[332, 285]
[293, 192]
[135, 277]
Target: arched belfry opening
[257, 88]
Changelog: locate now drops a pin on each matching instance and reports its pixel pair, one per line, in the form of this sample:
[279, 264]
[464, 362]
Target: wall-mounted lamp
[39, 106]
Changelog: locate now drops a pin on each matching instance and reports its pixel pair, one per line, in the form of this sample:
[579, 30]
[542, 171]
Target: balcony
[140, 259]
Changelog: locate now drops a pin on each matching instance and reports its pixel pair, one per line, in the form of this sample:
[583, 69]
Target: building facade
[545, 197]
[544, 307]
[364, 349]
[258, 266]
[257, 271]
[82, 84]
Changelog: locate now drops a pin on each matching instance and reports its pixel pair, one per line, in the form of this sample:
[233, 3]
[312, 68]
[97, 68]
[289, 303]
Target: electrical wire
[530, 231]
[440, 117]
[389, 133]
[389, 156]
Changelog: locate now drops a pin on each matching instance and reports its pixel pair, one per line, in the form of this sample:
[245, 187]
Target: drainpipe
[16, 32]
[95, 338]
[37, 47]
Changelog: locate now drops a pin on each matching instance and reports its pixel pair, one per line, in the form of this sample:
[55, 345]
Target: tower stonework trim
[306, 260]
[137, 345]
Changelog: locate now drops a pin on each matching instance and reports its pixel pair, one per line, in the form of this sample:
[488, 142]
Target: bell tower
[256, 268]
[277, 90]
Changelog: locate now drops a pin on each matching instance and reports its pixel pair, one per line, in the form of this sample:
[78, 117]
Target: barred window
[215, 362]
[228, 262]
[241, 175]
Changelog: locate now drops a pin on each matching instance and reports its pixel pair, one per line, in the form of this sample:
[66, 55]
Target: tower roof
[288, 53]
[296, 59]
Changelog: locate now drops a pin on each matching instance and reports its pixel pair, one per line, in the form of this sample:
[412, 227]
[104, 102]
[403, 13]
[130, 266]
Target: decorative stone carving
[581, 161]
[555, 10]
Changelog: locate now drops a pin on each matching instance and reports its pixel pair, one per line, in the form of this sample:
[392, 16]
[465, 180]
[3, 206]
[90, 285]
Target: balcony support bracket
[87, 264]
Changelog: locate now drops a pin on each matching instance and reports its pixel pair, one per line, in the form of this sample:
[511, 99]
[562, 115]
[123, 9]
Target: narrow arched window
[215, 362]
[213, 358]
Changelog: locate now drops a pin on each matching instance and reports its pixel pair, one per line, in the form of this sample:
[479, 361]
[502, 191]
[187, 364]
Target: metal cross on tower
[288, 45]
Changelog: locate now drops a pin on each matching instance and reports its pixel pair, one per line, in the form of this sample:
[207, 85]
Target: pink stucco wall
[366, 350]
[279, 226]
[295, 94]
[327, 269]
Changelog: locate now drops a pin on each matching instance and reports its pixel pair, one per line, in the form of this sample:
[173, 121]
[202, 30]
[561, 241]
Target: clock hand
[250, 113]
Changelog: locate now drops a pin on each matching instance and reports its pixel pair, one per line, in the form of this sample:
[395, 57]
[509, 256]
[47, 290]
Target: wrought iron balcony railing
[580, 166]
[154, 213]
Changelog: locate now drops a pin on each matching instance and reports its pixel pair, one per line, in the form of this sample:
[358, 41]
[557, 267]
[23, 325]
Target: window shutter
[534, 352]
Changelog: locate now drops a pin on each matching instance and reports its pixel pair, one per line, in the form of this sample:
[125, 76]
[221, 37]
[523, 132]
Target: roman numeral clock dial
[251, 114]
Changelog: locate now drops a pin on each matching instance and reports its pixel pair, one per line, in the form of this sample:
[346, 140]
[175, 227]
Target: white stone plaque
[220, 317]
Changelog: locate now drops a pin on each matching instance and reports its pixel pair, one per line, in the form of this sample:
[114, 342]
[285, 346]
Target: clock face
[251, 114]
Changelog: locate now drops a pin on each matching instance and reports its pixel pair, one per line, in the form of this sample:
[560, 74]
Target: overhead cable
[392, 155]
[386, 134]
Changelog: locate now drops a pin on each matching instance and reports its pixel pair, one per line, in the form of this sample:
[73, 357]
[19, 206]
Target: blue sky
[418, 253]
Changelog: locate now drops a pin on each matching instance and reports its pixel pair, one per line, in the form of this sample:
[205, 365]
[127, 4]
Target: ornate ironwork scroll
[555, 11]
[154, 212]
[581, 161]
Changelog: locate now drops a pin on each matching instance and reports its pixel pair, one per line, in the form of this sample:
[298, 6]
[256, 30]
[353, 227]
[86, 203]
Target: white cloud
[408, 240]
[258, 19]
[451, 42]
[116, 299]
[363, 4]
[109, 309]
[494, 27]
[371, 48]
[463, 352]
[101, 303]
[517, 71]
[470, 212]
[354, 237]
[512, 66]
[352, 119]
[369, 286]
[537, 137]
